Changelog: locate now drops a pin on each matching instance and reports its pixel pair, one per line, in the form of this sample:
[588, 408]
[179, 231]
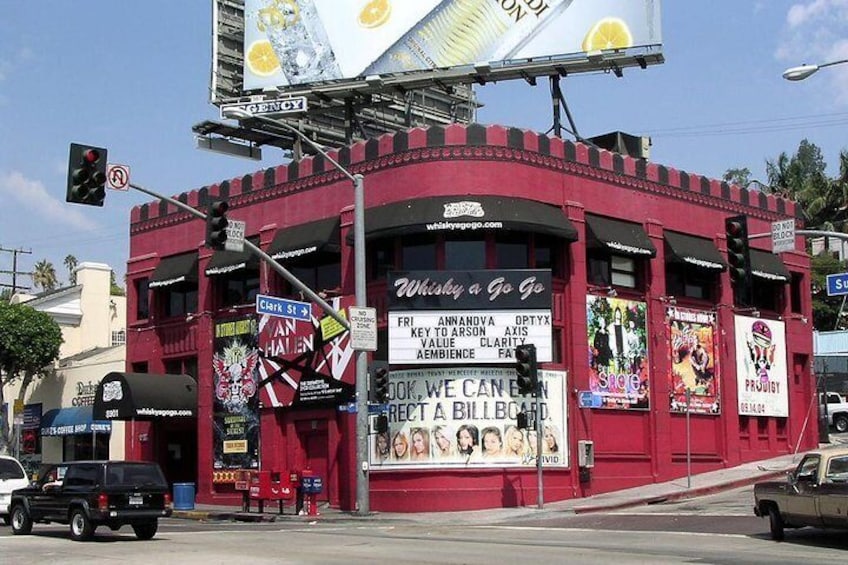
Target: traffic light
[381, 424]
[86, 175]
[521, 421]
[739, 259]
[525, 367]
[216, 224]
[378, 391]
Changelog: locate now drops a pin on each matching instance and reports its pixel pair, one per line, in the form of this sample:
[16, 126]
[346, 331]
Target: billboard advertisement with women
[467, 417]
[618, 353]
[694, 363]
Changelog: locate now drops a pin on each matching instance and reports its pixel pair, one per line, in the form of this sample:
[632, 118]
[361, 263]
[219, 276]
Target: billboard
[761, 372]
[290, 43]
[618, 353]
[693, 361]
[466, 418]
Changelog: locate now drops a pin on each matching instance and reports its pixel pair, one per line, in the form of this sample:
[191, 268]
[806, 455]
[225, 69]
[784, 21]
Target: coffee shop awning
[72, 421]
[145, 396]
[223, 261]
[175, 269]
[768, 266]
[321, 236]
[695, 251]
[618, 236]
[466, 215]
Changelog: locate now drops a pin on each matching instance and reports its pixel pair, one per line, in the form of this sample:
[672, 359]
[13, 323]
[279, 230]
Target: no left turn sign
[117, 176]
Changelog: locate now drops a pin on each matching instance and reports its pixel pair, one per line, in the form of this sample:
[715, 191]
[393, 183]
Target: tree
[826, 308]
[115, 290]
[45, 275]
[740, 177]
[29, 345]
[71, 263]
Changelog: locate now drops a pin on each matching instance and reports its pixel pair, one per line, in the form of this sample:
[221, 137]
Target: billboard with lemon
[290, 43]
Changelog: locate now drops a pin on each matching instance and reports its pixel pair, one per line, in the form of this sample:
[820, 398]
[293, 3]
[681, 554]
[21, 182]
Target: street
[715, 529]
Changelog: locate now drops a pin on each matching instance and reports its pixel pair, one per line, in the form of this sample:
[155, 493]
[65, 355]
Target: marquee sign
[433, 337]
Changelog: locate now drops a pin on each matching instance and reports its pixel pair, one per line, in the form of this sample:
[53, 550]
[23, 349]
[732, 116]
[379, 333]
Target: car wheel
[146, 531]
[775, 524]
[841, 423]
[21, 522]
[81, 527]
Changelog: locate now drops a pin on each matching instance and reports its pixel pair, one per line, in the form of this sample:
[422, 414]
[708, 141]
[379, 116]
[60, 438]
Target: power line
[15, 272]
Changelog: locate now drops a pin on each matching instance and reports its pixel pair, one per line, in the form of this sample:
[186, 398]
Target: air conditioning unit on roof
[638, 147]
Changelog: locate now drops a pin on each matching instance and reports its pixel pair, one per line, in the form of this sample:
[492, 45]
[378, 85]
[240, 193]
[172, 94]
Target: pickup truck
[88, 494]
[837, 411]
[814, 494]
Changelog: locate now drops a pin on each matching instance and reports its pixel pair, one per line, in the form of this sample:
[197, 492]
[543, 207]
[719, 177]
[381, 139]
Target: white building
[57, 424]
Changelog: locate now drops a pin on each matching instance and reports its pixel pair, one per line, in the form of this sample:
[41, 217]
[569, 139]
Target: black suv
[88, 494]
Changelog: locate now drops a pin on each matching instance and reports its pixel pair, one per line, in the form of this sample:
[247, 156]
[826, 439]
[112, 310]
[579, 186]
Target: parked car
[837, 411]
[12, 476]
[88, 494]
[814, 494]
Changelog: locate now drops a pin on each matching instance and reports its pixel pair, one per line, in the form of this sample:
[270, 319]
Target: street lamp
[803, 71]
[362, 490]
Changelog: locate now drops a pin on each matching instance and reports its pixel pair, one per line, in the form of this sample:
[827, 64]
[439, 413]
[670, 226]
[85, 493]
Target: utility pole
[15, 272]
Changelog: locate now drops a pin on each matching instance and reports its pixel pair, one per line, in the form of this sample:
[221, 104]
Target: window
[237, 288]
[795, 293]
[418, 253]
[623, 271]
[547, 253]
[605, 269]
[512, 251]
[319, 277]
[465, 254]
[178, 299]
[187, 366]
[767, 295]
[80, 447]
[142, 297]
[682, 280]
[119, 337]
[381, 258]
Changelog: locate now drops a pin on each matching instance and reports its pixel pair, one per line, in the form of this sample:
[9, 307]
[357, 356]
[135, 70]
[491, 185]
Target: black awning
[223, 262]
[176, 269]
[466, 214]
[145, 396]
[768, 266]
[306, 239]
[694, 251]
[625, 238]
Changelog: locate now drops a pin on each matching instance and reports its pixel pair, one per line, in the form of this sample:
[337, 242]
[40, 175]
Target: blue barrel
[183, 496]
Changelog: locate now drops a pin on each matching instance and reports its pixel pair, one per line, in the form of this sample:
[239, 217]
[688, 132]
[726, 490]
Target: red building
[628, 301]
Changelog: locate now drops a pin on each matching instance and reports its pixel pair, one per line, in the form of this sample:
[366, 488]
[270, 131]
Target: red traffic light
[91, 156]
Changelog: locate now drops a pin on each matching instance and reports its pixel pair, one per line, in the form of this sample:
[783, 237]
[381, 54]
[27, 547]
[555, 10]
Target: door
[316, 445]
[801, 506]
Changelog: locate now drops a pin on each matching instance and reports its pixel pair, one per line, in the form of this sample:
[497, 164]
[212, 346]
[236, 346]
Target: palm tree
[71, 263]
[45, 275]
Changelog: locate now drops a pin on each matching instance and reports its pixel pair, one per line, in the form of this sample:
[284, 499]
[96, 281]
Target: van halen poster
[618, 353]
[694, 363]
[761, 373]
[235, 404]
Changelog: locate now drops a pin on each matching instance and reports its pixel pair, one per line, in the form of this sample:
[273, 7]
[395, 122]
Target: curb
[682, 494]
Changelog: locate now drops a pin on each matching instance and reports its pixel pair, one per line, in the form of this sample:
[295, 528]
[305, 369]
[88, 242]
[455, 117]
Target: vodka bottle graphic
[299, 40]
[463, 32]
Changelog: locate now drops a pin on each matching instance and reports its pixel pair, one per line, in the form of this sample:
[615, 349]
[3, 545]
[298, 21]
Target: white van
[12, 476]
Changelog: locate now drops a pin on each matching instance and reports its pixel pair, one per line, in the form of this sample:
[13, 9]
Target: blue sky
[134, 77]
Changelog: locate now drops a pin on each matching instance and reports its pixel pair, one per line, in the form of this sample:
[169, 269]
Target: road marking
[598, 531]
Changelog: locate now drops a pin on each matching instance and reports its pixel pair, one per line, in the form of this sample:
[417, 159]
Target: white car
[12, 476]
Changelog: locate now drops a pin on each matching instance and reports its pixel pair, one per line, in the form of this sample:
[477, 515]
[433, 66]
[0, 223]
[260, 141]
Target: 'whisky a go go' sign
[468, 317]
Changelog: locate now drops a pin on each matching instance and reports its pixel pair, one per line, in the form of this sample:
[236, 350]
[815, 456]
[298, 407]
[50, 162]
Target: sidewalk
[703, 484]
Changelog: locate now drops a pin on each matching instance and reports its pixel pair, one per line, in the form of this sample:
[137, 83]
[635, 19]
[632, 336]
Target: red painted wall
[631, 448]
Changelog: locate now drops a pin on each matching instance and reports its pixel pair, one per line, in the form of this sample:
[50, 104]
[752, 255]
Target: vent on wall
[638, 147]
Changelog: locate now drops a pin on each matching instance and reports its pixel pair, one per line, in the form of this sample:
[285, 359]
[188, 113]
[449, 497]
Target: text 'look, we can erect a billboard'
[297, 42]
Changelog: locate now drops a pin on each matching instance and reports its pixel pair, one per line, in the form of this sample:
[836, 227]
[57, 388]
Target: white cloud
[799, 14]
[32, 195]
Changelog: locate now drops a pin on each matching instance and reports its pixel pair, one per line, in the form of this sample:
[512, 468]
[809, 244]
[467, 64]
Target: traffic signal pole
[537, 406]
[261, 254]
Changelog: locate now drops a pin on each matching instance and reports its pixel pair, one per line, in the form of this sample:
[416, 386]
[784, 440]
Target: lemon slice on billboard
[608, 33]
[261, 59]
[375, 13]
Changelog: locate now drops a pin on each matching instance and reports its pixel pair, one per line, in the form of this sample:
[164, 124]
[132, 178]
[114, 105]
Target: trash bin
[183, 496]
